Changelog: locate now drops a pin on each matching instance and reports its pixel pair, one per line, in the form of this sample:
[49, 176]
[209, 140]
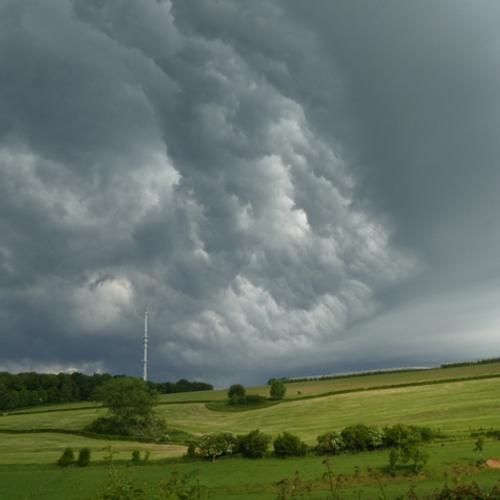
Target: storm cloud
[289, 188]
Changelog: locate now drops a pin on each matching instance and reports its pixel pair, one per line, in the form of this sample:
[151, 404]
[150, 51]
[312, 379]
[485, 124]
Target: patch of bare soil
[493, 463]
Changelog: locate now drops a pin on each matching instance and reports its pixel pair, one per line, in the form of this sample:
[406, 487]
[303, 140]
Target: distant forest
[25, 390]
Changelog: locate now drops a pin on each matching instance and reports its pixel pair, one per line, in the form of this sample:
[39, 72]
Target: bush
[109, 426]
[330, 443]
[67, 458]
[255, 444]
[356, 438]
[400, 434]
[213, 445]
[288, 445]
[83, 457]
[191, 452]
[278, 390]
[247, 400]
[136, 457]
[236, 390]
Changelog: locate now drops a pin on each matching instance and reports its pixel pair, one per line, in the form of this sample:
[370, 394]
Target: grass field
[453, 407]
[242, 479]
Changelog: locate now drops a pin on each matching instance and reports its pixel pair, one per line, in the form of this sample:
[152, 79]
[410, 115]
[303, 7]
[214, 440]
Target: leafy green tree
[412, 453]
[67, 458]
[329, 443]
[83, 457]
[394, 456]
[278, 390]
[479, 445]
[131, 407]
[127, 397]
[287, 444]
[255, 444]
[236, 390]
[356, 438]
[213, 445]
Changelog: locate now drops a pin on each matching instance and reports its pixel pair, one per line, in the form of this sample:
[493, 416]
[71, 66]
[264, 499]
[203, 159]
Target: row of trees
[403, 441]
[24, 390]
[238, 397]
[255, 444]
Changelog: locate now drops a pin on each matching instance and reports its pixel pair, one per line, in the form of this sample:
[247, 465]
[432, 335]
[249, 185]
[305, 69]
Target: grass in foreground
[242, 478]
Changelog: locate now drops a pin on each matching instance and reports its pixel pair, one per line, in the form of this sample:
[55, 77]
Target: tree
[236, 390]
[131, 406]
[255, 444]
[127, 398]
[83, 457]
[479, 445]
[214, 445]
[67, 457]
[278, 390]
[287, 444]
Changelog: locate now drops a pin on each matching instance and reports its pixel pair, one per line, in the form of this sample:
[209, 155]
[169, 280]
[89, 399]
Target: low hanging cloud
[188, 157]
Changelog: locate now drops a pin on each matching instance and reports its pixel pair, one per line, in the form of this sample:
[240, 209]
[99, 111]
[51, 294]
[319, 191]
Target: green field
[454, 407]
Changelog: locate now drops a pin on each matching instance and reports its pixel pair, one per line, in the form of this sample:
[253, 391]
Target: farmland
[459, 403]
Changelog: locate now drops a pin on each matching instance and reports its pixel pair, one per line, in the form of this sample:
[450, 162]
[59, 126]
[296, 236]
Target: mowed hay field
[453, 407]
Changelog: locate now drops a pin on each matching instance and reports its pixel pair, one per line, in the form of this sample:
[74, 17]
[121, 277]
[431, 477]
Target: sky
[290, 188]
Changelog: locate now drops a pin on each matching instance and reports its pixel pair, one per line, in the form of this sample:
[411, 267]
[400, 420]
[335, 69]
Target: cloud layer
[213, 162]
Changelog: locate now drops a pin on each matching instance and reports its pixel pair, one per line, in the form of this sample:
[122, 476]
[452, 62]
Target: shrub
[191, 452]
[247, 400]
[287, 444]
[278, 390]
[356, 438]
[255, 444]
[83, 457]
[236, 390]
[67, 457]
[136, 457]
[214, 445]
[110, 426]
[376, 437]
[399, 434]
[330, 443]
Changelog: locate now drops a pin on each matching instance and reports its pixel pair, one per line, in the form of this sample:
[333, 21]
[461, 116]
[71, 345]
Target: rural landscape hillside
[456, 404]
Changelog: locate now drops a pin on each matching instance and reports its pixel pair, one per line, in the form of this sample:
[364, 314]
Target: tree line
[31, 389]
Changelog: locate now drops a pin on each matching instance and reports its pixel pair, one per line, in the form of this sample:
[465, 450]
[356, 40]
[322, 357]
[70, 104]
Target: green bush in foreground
[255, 444]
[288, 445]
[214, 445]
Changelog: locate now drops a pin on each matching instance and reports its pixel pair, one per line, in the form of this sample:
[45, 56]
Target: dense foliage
[31, 389]
[67, 458]
[359, 437]
[278, 390]
[255, 444]
[288, 445]
[131, 403]
[214, 445]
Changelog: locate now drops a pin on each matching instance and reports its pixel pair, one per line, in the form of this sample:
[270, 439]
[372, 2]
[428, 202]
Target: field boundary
[392, 386]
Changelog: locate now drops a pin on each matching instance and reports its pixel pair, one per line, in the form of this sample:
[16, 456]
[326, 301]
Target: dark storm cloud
[265, 178]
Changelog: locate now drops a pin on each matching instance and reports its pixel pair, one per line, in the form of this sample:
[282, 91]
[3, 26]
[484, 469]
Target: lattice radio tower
[145, 343]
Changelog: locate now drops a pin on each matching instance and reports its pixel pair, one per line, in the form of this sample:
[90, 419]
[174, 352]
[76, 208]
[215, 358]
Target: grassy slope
[454, 407]
[46, 448]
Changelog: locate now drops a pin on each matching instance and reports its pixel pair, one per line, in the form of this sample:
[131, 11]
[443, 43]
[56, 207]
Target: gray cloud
[274, 183]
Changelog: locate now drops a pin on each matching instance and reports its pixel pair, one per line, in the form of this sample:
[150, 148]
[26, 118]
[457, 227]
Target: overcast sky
[291, 188]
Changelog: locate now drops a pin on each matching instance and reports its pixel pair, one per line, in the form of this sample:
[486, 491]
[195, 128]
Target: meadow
[27, 459]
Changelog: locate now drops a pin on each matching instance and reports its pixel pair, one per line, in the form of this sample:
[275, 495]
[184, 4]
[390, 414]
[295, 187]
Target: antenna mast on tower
[145, 342]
